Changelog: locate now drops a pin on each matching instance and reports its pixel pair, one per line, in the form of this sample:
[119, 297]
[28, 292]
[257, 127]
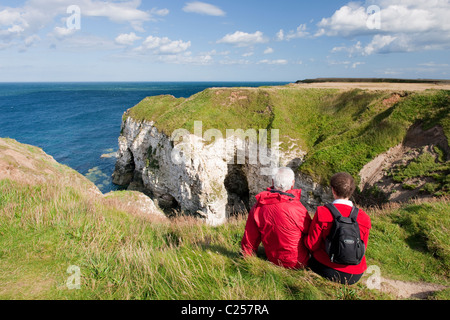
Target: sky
[222, 40]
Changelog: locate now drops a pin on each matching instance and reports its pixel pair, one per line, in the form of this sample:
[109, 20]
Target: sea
[79, 123]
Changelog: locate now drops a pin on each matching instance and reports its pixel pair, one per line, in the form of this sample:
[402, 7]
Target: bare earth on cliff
[375, 86]
[416, 142]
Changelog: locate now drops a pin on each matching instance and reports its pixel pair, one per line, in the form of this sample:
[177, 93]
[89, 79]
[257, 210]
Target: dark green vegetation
[425, 166]
[52, 220]
[340, 130]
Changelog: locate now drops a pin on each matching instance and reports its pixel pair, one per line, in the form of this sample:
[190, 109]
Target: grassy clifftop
[54, 220]
[341, 130]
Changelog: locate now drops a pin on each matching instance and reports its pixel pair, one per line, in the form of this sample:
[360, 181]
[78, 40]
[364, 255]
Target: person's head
[343, 185]
[283, 179]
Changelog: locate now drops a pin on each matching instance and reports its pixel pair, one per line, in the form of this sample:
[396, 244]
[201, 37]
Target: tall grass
[412, 242]
[45, 229]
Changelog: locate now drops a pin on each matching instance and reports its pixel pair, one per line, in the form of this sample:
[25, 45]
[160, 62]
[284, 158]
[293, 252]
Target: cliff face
[145, 162]
[209, 180]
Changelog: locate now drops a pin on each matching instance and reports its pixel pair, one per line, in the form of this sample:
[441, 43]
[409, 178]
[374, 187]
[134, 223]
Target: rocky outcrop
[135, 203]
[213, 180]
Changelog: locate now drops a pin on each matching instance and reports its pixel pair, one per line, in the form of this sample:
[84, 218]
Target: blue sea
[77, 123]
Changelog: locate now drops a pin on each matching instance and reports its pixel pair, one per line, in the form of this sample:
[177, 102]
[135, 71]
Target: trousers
[333, 274]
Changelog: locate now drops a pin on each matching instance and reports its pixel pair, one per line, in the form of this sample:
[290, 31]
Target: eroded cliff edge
[319, 132]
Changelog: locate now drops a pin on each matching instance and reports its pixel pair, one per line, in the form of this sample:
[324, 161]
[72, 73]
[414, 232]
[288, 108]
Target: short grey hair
[283, 179]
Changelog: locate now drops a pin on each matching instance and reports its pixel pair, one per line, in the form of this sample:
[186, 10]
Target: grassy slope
[46, 227]
[341, 131]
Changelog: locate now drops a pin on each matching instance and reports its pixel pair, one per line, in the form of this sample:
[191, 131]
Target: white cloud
[405, 25]
[60, 33]
[115, 11]
[152, 42]
[29, 41]
[380, 44]
[268, 50]
[19, 23]
[203, 8]
[83, 42]
[176, 46]
[160, 12]
[300, 32]
[121, 12]
[333, 62]
[346, 63]
[280, 35]
[16, 29]
[214, 52]
[163, 45]
[279, 61]
[356, 49]
[229, 61]
[357, 63]
[10, 16]
[127, 39]
[187, 58]
[348, 20]
[242, 39]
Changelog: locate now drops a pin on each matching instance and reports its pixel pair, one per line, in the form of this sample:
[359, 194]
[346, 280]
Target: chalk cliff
[210, 182]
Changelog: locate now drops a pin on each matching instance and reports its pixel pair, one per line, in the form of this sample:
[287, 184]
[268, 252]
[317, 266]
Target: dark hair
[343, 184]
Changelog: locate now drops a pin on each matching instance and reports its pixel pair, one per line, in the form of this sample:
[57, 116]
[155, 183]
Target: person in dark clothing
[342, 186]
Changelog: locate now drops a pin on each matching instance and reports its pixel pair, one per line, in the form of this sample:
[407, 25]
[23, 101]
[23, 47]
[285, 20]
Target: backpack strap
[354, 214]
[335, 212]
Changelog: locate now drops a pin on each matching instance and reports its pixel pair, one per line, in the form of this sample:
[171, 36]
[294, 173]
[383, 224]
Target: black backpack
[344, 245]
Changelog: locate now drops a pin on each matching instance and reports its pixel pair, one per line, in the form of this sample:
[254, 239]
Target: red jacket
[280, 222]
[321, 227]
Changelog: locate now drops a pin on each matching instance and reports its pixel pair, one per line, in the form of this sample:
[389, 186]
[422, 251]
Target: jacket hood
[272, 196]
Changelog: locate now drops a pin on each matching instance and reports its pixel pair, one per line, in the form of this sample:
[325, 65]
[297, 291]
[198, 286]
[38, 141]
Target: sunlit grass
[45, 229]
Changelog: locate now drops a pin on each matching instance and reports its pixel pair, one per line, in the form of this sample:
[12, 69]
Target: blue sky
[223, 40]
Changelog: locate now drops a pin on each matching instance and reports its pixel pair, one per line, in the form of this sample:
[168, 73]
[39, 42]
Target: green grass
[125, 257]
[45, 229]
[425, 165]
[412, 242]
[375, 130]
[340, 130]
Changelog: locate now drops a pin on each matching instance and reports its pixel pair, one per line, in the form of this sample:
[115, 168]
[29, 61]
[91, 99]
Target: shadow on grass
[261, 254]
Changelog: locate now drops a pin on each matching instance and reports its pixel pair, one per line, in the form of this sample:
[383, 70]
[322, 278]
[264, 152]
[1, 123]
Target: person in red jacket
[342, 186]
[280, 222]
